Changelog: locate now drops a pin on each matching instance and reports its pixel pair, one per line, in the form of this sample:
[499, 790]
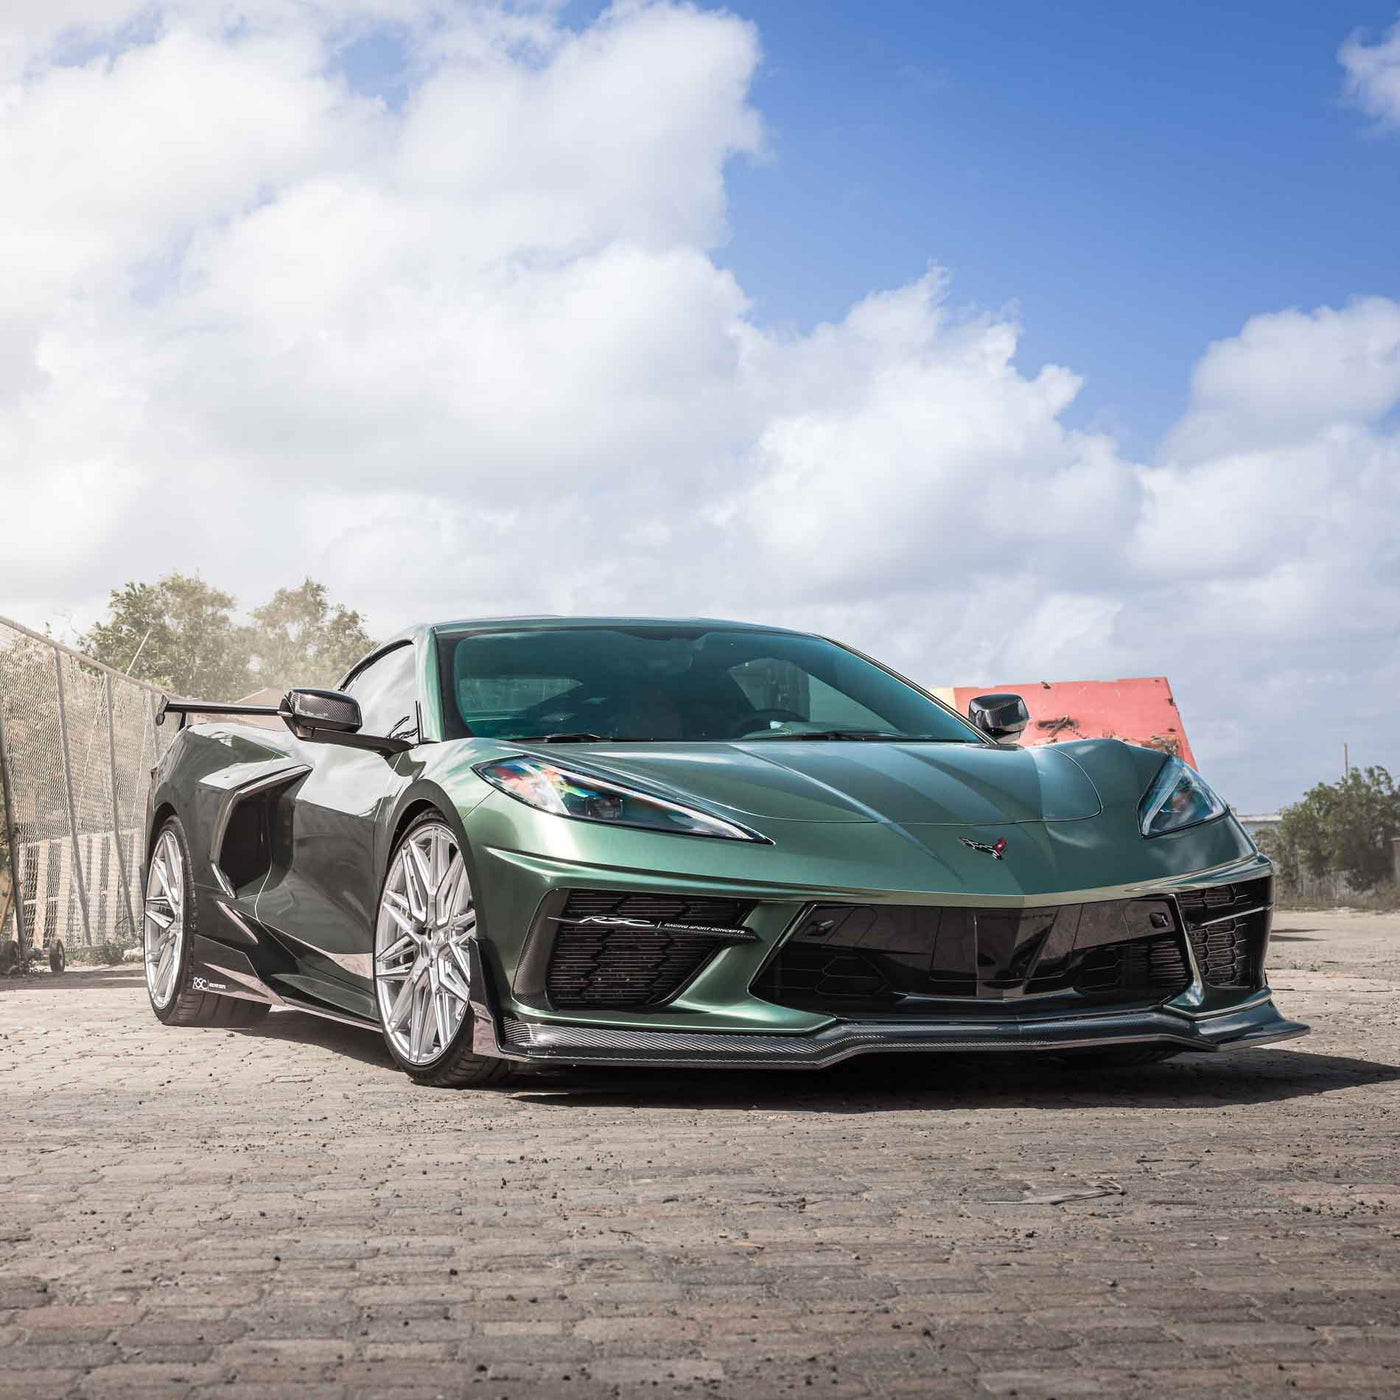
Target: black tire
[457, 1066]
[1112, 1057]
[57, 960]
[9, 957]
[186, 1006]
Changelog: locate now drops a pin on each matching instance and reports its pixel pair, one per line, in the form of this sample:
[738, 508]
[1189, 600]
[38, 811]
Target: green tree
[300, 638]
[179, 634]
[1343, 828]
[1284, 856]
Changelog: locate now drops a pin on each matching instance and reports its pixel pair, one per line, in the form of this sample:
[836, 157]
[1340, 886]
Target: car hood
[842, 781]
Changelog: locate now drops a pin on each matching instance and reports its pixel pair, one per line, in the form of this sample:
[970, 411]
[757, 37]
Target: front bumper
[718, 1020]
[1255, 1022]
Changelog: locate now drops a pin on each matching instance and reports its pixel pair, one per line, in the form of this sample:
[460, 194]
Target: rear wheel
[57, 959]
[422, 970]
[167, 929]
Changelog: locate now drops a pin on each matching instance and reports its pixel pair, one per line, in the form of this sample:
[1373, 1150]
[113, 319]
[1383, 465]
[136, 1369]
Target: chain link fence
[77, 745]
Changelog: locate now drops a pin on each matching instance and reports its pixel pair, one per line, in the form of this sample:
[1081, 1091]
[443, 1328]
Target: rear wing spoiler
[182, 708]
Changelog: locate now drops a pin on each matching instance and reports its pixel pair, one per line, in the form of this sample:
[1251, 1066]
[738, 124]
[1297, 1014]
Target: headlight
[1178, 798]
[566, 792]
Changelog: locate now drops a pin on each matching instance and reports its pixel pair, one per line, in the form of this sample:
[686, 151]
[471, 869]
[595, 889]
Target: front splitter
[1256, 1023]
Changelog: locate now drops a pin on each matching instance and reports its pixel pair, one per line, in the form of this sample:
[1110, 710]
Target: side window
[387, 690]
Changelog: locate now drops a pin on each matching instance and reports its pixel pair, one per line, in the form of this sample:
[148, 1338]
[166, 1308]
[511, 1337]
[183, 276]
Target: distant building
[1139, 710]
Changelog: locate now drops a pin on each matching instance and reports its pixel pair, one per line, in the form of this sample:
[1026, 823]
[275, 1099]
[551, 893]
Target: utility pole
[1346, 762]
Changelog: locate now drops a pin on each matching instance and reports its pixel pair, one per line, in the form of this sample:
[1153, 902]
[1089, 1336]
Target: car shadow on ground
[75, 979]
[889, 1083]
[301, 1028]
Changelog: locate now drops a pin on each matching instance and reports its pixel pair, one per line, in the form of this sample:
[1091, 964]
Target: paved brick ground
[279, 1212]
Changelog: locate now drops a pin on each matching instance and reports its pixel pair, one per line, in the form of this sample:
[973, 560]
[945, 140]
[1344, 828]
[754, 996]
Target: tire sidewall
[167, 1012]
[453, 1047]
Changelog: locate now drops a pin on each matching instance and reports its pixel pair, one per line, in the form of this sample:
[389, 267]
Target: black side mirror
[999, 717]
[332, 717]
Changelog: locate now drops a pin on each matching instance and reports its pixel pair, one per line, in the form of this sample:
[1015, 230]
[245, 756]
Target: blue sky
[1138, 179]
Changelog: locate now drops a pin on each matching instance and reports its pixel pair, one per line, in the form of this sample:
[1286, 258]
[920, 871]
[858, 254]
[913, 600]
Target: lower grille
[628, 951]
[851, 959]
[1228, 926]
[1145, 966]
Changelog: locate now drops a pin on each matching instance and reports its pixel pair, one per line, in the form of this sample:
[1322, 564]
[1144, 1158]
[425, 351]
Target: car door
[323, 902]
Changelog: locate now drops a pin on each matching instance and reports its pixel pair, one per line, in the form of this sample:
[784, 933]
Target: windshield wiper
[583, 737]
[862, 734]
[854, 735]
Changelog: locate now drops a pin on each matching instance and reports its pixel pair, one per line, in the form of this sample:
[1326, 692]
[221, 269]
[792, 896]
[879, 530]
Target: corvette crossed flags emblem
[996, 850]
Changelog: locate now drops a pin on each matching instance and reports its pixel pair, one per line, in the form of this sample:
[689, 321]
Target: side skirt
[228, 972]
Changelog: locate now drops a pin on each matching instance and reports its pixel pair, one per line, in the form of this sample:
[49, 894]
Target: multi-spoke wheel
[422, 968]
[167, 929]
[165, 917]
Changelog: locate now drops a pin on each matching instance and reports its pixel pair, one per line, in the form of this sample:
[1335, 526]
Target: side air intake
[245, 833]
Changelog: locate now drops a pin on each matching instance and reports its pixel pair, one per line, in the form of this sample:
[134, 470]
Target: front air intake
[929, 960]
[613, 950]
[1228, 926]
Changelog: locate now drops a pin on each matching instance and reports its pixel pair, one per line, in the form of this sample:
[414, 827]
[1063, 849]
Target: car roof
[547, 621]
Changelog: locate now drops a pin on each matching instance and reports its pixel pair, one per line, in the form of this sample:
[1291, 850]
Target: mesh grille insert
[618, 966]
[1228, 926]
[1154, 965]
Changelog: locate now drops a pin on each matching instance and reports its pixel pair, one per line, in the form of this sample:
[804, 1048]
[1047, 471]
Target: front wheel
[422, 970]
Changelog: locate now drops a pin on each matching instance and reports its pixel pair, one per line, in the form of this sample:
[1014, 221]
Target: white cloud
[1373, 74]
[1290, 374]
[472, 353]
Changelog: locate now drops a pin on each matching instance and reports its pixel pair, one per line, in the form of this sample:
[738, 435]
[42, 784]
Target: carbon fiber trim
[1255, 1024]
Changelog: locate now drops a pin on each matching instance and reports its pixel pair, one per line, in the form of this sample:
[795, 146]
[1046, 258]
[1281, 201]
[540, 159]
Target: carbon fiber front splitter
[1257, 1022]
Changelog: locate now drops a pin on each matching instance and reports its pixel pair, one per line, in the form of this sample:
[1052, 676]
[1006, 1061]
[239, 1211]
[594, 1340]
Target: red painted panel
[1139, 710]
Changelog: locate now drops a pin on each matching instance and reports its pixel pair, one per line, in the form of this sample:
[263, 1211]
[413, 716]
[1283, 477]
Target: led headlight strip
[569, 792]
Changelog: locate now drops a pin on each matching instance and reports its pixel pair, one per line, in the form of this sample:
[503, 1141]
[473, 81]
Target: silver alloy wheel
[164, 926]
[426, 917]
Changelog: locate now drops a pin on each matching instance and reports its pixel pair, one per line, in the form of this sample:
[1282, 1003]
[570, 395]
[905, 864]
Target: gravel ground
[279, 1212]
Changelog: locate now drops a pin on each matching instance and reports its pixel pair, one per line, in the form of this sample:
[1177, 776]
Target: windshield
[677, 683]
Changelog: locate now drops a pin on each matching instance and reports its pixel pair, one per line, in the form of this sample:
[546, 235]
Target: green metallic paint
[847, 821]
[933, 784]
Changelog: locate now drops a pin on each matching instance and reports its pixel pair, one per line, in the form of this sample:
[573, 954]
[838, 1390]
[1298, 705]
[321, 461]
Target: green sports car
[619, 841]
